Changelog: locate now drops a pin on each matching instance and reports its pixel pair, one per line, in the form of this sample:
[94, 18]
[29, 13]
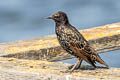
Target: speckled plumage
[72, 40]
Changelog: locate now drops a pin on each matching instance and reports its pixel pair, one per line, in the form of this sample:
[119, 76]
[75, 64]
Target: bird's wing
[85, 51]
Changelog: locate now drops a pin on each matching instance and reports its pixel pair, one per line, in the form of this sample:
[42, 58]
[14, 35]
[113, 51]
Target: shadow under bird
[73, 41]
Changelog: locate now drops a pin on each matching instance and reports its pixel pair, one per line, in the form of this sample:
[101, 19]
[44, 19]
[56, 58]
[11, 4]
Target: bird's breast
[66, 34]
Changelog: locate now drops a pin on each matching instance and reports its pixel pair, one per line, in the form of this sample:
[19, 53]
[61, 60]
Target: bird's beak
[50, 17]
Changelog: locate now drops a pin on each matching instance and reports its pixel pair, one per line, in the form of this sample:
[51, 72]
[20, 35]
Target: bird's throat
[62, 23]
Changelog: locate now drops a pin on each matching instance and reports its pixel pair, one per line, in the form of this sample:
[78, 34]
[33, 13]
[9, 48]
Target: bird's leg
[77, 65]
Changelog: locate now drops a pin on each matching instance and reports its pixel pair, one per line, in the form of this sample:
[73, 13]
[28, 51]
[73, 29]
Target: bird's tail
[98, 59]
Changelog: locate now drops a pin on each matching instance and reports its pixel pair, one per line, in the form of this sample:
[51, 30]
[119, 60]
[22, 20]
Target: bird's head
[59, 17]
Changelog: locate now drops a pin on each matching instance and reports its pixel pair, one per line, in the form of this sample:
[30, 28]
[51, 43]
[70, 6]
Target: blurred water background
[25, 19]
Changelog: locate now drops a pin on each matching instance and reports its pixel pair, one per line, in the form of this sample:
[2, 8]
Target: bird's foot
[66, 71]
[69, 71]
[72, 68]
[77, 67]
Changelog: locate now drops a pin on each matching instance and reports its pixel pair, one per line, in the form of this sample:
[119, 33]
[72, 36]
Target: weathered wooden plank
[103, 38]
[18, 69]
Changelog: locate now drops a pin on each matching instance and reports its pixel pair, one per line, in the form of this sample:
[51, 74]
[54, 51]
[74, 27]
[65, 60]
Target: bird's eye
[56, 15]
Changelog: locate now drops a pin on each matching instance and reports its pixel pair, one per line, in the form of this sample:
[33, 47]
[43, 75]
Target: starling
[73, 41]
